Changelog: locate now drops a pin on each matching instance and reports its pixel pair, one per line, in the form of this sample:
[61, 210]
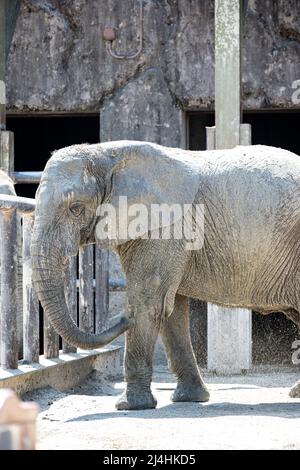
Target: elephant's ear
[153, 177]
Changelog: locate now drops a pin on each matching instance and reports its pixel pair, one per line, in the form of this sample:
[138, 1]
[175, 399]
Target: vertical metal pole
[229, 330]
[9, 288]
[31, 339]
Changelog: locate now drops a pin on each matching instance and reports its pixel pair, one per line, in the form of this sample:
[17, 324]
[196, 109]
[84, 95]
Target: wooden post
[86, 288]
[71, 296]
[7, 152]
[229, 330]
[9, 287]
[2, 64]
[51, 340]
[101, 289]
[31, 340]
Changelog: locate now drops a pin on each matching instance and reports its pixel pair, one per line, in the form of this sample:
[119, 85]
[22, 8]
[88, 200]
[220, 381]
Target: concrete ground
[245, 412]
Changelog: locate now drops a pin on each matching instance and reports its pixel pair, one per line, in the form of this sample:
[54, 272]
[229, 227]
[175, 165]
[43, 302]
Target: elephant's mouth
[88, 237]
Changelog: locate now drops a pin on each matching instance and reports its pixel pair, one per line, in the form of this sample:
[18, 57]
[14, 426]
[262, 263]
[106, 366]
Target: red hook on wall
[109, 35]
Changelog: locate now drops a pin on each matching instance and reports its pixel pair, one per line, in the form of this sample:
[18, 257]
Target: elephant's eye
[77, 208]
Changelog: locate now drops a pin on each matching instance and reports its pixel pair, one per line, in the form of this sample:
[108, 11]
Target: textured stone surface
[152, 118]
[59, 62]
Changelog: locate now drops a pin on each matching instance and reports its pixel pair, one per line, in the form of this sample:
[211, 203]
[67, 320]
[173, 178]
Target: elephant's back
[253, 182]
[262, 160]
[251, 201]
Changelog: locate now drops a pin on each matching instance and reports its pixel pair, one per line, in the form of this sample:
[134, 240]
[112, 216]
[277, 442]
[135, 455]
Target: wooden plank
[51, 340]
[86, 288]
[2, 64]
[71, 296]
[9, 287]
[31, 338]
[7, 152]
[101, 289]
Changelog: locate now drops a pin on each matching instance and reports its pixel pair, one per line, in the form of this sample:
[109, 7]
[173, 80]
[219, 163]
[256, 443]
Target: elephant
[7, 187]
[248, 256]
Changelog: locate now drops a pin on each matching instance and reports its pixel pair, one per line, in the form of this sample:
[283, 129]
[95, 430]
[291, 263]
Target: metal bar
[31, 339]
[102, 289]
[71, 297]
[86, 291]
[9, 287]
[27, 177]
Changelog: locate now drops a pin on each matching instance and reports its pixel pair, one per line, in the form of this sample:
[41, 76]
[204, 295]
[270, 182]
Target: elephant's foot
[187, 391]
[135, 400]
[295, 390]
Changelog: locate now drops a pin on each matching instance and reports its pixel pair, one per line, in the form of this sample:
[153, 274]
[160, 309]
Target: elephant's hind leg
[176, 338]
[294, 315]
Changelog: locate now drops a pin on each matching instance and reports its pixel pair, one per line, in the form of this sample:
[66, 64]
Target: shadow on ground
[188, 410]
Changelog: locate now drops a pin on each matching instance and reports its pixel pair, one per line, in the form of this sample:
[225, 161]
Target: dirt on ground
[251, 411]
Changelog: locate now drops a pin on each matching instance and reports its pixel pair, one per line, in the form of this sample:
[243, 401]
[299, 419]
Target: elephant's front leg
[175, 334]
[140, 343]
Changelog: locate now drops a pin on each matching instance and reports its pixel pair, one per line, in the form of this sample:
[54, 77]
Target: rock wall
[59, 61]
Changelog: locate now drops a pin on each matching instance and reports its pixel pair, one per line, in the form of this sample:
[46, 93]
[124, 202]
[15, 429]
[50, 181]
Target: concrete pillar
[229, 330]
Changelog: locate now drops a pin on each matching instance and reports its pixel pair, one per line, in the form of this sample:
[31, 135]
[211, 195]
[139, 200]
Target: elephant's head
[75, 182]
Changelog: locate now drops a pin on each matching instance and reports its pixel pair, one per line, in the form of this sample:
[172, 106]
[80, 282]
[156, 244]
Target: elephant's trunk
[47, 274]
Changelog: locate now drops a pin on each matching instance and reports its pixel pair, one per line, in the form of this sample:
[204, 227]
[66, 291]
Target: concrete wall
[59, 62]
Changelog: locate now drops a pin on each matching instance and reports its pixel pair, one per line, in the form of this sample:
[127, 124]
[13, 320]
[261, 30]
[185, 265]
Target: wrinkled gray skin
[7, 187]
[250, 256]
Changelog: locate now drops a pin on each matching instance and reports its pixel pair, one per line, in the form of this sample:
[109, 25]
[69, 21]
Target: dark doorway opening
[274, 334]
[37, 136]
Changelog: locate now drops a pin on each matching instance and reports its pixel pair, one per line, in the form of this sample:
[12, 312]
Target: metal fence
[86, 288]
